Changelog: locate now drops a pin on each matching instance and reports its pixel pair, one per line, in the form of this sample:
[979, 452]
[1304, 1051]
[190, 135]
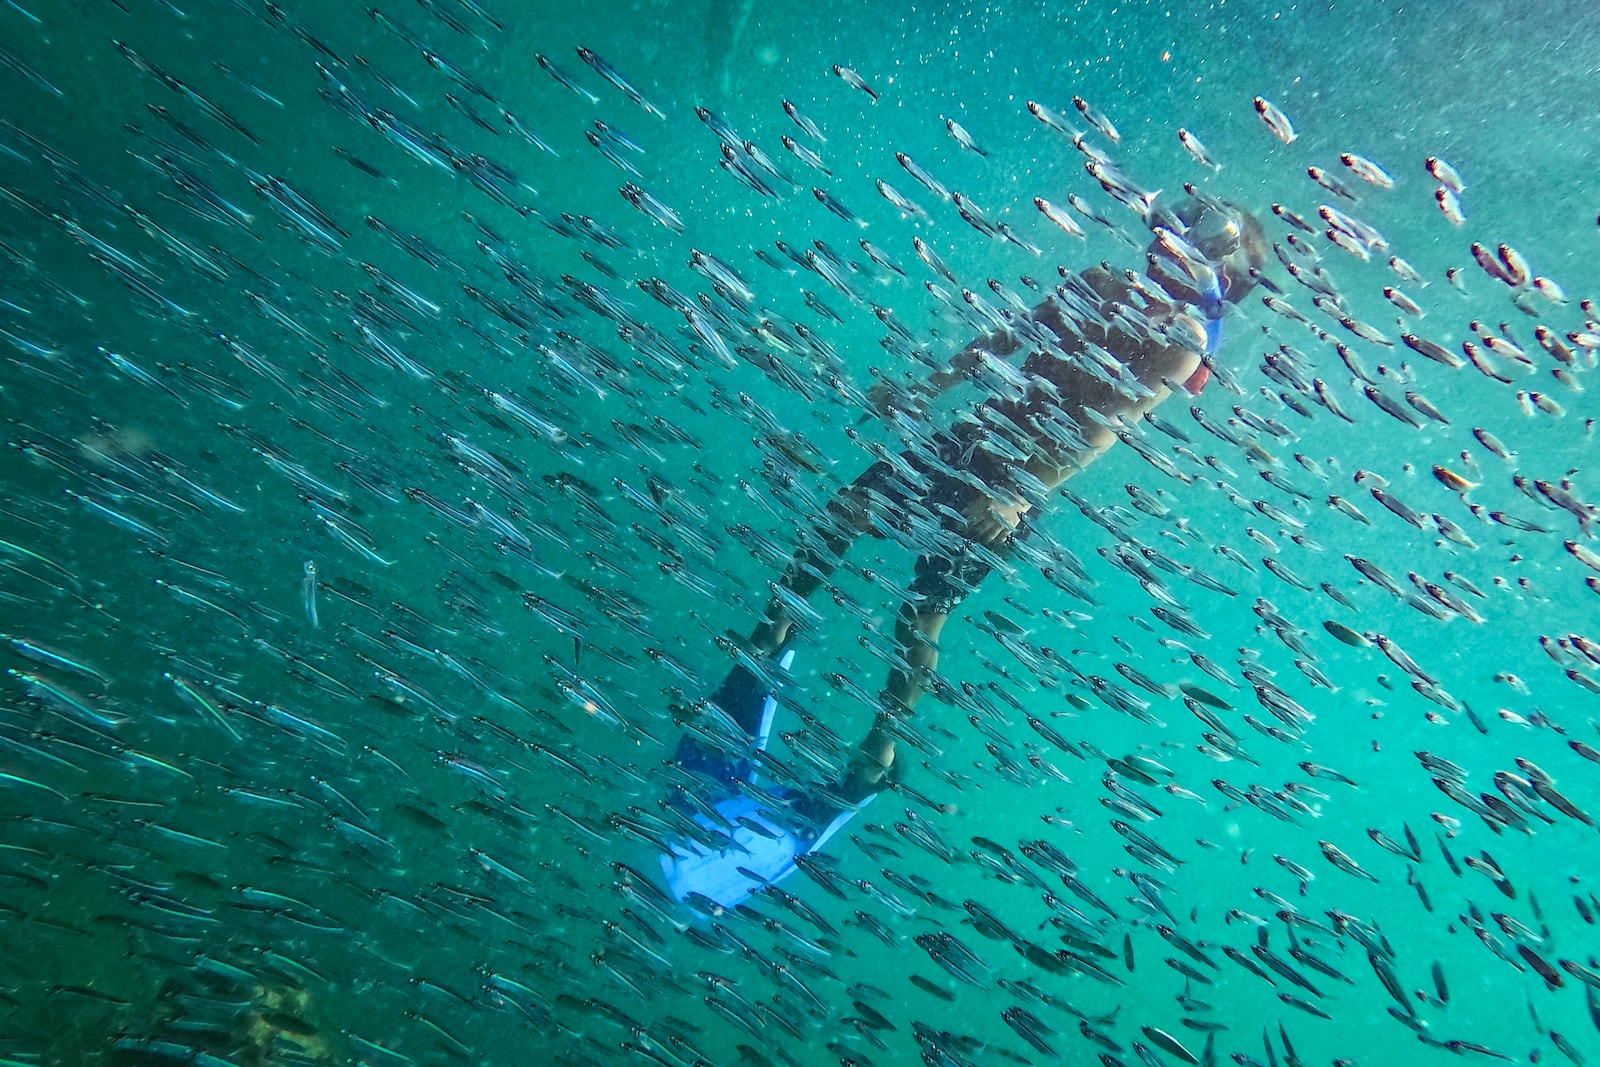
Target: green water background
[1500, 91]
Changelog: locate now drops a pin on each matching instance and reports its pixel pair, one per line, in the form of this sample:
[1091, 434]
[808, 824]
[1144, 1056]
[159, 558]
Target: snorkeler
[1102, 350]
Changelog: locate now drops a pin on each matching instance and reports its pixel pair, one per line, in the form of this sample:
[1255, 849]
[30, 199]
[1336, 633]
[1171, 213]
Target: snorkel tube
[1192, 240]
[1188, 259]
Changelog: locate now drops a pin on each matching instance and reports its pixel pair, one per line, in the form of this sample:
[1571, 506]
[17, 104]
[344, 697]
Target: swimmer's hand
[992, 521]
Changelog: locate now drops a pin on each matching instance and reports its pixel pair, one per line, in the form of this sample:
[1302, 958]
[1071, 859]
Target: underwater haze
[409, 411]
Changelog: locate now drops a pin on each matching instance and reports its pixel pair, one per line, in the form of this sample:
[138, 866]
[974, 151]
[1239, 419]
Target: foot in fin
[765, 838]
[862, 780]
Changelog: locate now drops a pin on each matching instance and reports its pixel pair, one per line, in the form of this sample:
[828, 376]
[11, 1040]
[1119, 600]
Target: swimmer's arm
[999, 344]
[887, 393]
[1003, 343]
[964, 363]
[1051, 465]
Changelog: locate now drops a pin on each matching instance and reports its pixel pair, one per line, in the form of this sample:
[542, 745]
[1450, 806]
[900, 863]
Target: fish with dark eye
[1449, 205]
[1430, 350]
[1391, 407]
[1424, 407]
[948, 952]
[1276, 121]
[1029, 1027]
[1397, 507]
[612, 75]
[1326, 398]
[1489, 441]
[1095, 118]
[827, 200]
[805, 155]
[1337, 188]
[854, 80]
[881, 258]
[1242, 960]
[1197, 151]
[1442, 172]
[1341, 860]
[988, 923]
[898, 200]
[1545, 787]
[808, 127]
[1366, 170]
[1388, 844]
[563, 78]
[973, 216]
[1304, 1005]
[652, 207]
[1051, 118]
[927, 181]
[1067, 224]
[963, 138]
[1344, 633]
[1551, 976]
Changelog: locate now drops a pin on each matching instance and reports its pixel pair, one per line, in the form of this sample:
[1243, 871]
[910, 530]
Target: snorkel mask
[1188, 256]
[1205, 254]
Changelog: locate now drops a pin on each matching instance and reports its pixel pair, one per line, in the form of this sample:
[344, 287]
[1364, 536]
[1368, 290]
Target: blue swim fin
[766, 837]
[765, 843]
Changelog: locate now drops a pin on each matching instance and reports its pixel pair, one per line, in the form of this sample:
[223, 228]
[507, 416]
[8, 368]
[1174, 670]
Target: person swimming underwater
[1103, 349]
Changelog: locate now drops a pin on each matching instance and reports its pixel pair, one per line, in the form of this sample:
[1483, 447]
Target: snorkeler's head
[1206, 252]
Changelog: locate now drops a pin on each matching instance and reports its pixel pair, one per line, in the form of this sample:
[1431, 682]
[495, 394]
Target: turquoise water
[236, 829]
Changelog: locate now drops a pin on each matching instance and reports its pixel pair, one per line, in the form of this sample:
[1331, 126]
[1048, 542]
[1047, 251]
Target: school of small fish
[402, 427]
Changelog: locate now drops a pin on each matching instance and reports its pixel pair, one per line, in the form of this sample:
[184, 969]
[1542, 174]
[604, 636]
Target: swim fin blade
[761, 851]
[765, 838]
